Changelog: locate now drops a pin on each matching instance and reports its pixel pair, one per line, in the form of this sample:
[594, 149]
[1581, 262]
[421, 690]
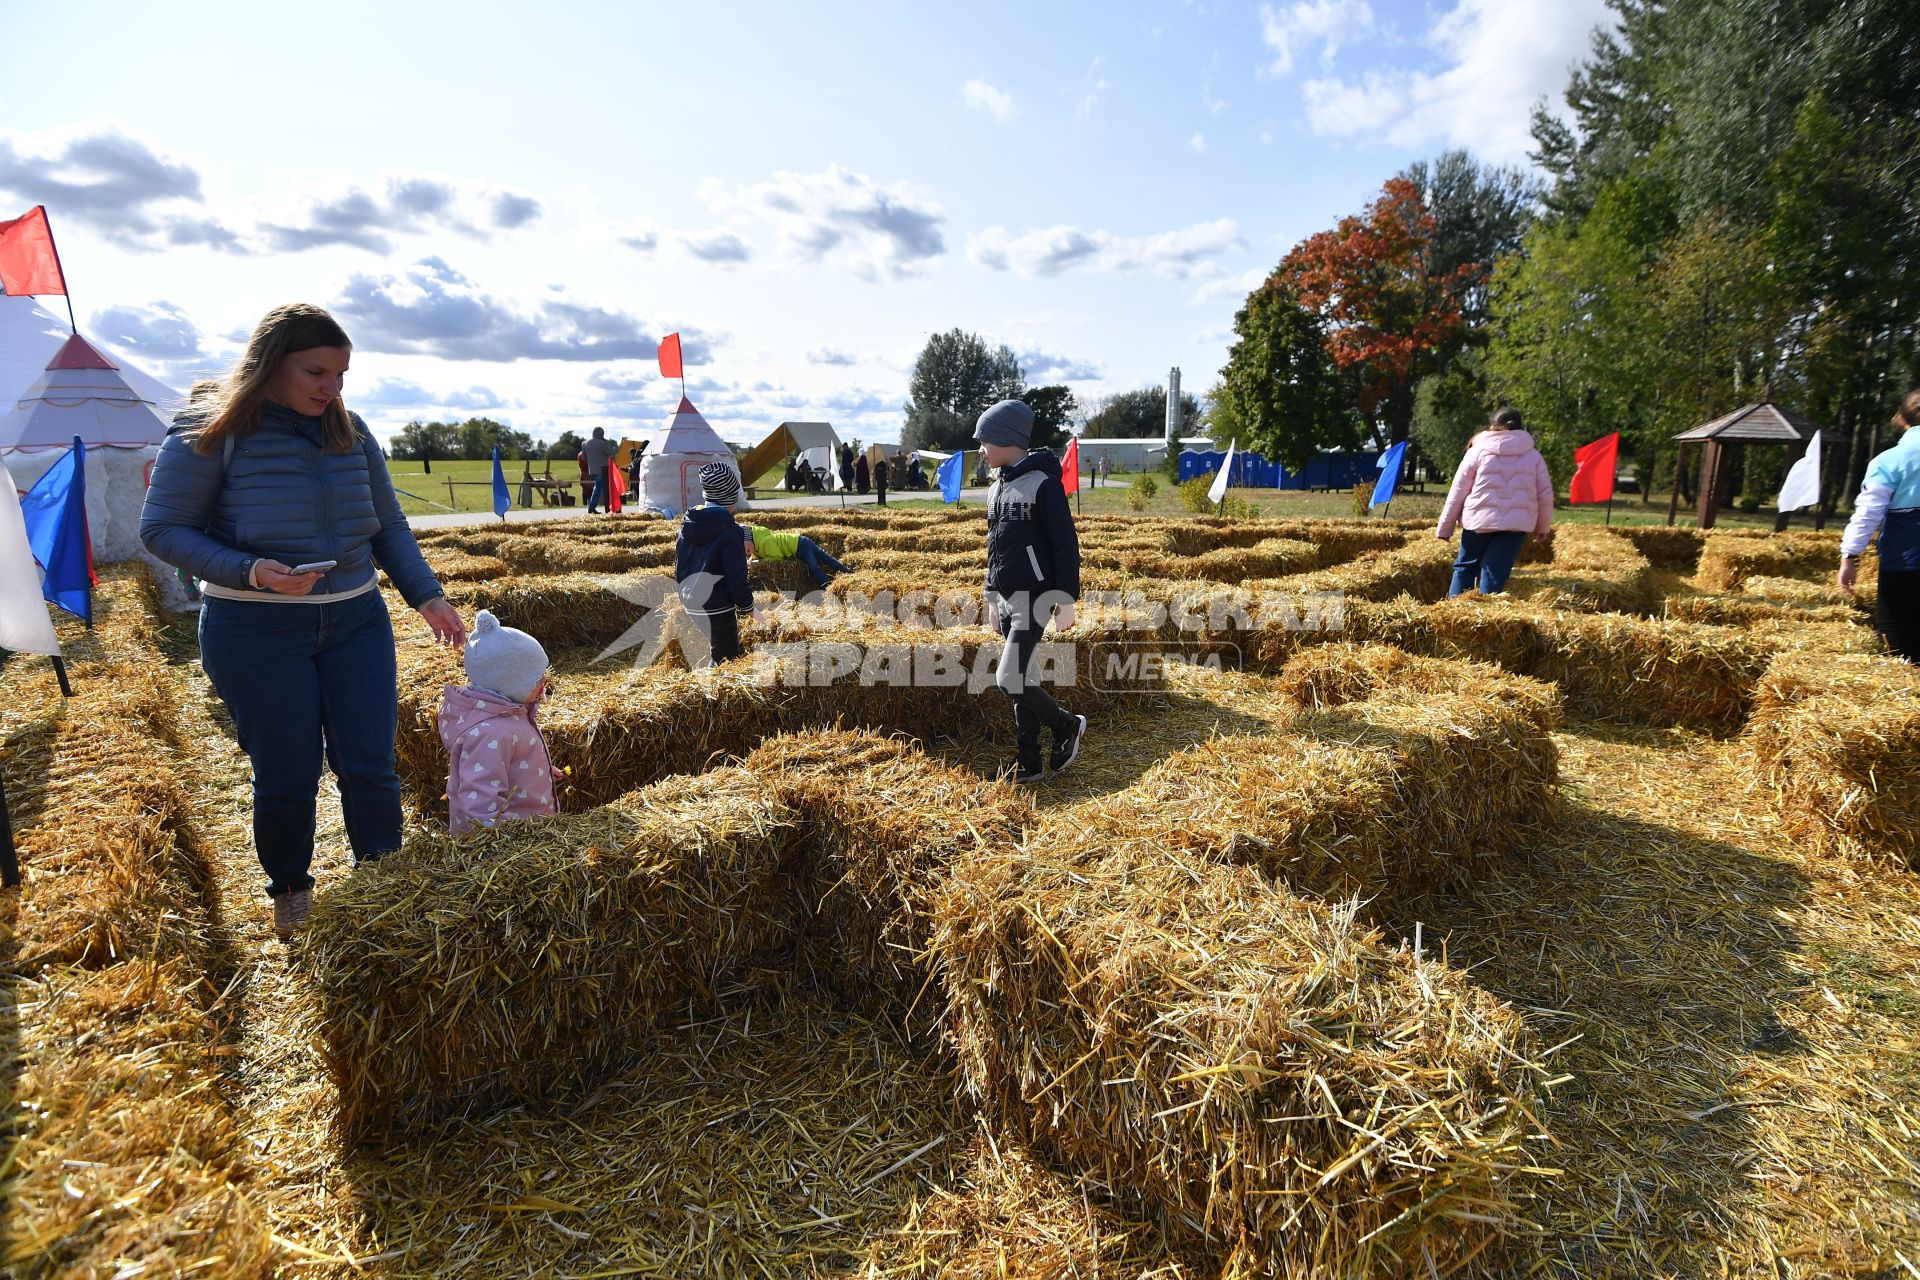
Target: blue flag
[949, 477]
[56, 514]
[1389, 475]
[501, 501]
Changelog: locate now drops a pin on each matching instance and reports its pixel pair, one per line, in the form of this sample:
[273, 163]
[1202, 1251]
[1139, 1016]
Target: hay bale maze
[1574, 933]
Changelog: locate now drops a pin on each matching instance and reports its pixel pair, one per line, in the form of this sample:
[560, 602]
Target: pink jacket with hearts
[1501, 484]
[497, 764]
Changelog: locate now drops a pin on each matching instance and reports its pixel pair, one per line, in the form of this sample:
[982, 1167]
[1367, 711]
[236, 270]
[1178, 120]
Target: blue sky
[507, 207]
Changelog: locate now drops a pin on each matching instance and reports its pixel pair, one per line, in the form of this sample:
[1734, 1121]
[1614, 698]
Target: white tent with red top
[670, 468]
[120, 414]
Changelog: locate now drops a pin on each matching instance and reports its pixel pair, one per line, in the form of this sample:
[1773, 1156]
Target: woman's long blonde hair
[231, 406]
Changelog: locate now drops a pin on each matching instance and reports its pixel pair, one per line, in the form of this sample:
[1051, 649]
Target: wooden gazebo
[1762, 423]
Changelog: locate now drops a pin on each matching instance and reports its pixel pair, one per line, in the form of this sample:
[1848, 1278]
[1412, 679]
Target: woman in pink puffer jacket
[1501, 493]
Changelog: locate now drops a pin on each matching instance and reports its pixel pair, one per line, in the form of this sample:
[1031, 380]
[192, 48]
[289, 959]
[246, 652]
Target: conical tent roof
[31, 336]
[688, 432]
[81, 393]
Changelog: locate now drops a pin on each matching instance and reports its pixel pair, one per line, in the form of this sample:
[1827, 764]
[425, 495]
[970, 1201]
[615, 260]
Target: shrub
[1363, 499]
[1140, 492]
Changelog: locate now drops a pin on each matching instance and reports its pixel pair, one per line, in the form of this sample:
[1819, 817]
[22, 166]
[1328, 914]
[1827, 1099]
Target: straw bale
[1268, 558]
[1609, 666]
[1422, 568]
[1814, 631]
[1593, 570]
[526, 961]
[564, 610]
[453, 565]
[559, 554]
[881, 822]
[1439, 766]
[1745, 611]
[1813, 595]
[1834, 745]
[1246, 1063]
[1728, 559]
[125, 1153]
[1670, 550]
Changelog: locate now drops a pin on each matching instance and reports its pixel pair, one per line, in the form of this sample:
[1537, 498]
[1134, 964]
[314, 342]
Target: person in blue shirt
[1889, 504]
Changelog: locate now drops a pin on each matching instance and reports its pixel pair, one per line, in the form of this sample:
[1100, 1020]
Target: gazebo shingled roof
[1761, 423]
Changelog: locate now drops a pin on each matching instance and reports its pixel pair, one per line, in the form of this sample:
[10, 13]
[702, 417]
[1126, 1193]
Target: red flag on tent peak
[670, 357]
[1593, 471]
[28, 263]
[1070, 466]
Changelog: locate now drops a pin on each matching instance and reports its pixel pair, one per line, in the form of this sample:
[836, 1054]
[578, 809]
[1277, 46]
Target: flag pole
[9, 862]
[1609, 520]
[60, 674]
[59, 266]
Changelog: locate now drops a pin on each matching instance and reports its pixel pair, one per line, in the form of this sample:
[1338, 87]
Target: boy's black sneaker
[1067, 749]
[1022, 776]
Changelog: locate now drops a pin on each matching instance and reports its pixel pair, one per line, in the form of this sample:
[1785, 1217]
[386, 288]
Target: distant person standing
[1501, 493]
[599, 455]
[1100, 470]
[880, 480]
[846, 468]
[1889, 504]
[862, 477]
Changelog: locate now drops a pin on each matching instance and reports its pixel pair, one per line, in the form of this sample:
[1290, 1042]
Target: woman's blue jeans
[1485, 560]
[303, 680]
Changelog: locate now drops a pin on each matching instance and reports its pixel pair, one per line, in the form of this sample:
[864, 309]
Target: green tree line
[1730, 213]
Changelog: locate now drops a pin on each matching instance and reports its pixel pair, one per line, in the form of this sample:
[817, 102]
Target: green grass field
[425, 495]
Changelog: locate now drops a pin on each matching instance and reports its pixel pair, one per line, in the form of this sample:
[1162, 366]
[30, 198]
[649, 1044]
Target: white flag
[1219, 489]
[1802, 487]
[24, 624]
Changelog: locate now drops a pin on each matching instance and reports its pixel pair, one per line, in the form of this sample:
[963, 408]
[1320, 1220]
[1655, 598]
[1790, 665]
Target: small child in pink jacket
[1501, 493]
[497, 763]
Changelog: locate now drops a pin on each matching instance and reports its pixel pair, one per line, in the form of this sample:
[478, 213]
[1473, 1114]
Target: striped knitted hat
[720, 484]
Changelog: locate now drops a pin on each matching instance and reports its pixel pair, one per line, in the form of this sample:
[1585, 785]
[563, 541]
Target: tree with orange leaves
[1390, 315]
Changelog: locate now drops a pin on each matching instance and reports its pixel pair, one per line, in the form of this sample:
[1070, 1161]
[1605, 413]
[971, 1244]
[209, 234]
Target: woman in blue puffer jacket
[278, 499]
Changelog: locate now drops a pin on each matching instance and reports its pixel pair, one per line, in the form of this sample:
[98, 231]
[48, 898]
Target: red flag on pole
[1070, 467]
[616, 487]
[670, 357]
[28, 263]
[1593, 472]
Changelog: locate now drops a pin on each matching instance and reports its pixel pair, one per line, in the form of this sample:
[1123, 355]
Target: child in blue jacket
[710, 564]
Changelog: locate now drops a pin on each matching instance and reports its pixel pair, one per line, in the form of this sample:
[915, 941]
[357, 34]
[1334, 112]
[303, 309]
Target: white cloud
[831, 355]
[1048, 251]
[1292, 27]
[1197, 143]
[1234, 287]
[841, 217]
[982, 96]
[1494, 59]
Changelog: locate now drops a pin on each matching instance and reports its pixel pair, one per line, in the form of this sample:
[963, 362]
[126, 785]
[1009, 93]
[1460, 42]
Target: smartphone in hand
[315, 566]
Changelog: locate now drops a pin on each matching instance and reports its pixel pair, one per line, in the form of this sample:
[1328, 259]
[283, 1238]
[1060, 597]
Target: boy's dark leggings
[1034, 708]
[723, 637]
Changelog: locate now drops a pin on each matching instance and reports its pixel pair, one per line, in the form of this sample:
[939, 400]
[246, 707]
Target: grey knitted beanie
[1010, 423]
[503, 660]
